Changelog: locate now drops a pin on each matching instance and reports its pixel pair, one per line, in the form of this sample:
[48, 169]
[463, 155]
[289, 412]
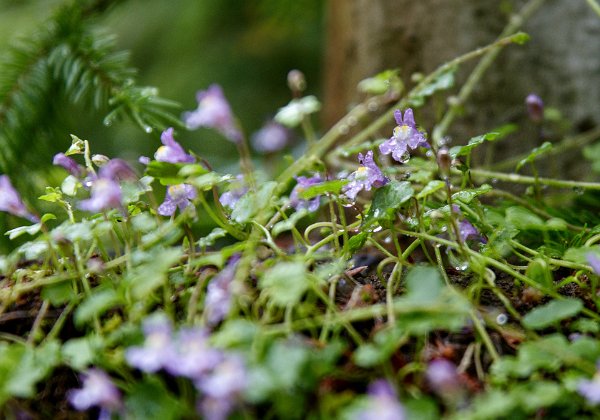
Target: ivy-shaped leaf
[387, 200]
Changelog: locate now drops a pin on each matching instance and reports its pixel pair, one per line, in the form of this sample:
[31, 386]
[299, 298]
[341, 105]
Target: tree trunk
[561, 63]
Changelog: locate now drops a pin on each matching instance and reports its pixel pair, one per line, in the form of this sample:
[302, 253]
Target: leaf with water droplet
[387, 200]
[535, 153]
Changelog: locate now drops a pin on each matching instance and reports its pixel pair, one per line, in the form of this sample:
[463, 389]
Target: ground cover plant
[376, 273]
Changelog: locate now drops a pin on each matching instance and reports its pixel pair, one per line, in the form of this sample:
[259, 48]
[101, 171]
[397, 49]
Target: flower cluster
[366, 176]
[220, 376]
[97, 391]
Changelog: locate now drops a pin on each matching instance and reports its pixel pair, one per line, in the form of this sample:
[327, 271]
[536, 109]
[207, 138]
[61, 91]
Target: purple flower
[272, 137]
[10, 201]
[236, 191]
[467, 230]
[98, 390]
[171, 151]
[535, 107]
[158, 350]
[177, 196]
[366, 176]
[214, 112]
[382, 403]
[405, 136]
[222, 388]
[193, 357]
[219, 293]
[117, 170]
[590, 390]
[106, 194]
[299, 203]
[442, 376]
[69, 164]
[594, 262]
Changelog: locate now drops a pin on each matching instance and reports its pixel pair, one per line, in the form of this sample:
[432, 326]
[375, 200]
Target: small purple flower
[366, 176]
[535, 107]
[219, 293]
[171, 151]
[590, 390]
[158, 350]
[106, 194]
[193, 357]
[594, 262]
[382, 403]
[236, 191]
[272, 137]
[405, 136]
[443, 377]
[467, 230]
[144, 160]
[117, 170]
[222, 388]
[301, 204]
[60, 159]
[177, 196]
[214, 112]
[10, 201]
[98, 390]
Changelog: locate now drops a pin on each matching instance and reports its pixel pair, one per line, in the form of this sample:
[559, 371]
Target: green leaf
[467, 195]
[81, 352]
[253, 202]
[167, 173]
[523, 219]
[387, 200]
[31, 230]
[99, 302]
[285, 283]
[34, 365]
[150, 399]
[552, 313]
[52, 195]
[58, 293]
[357, 242]
[332, 187]
[211, 238]
[535, 153]
[431, 188]
[381, 83]
[520, 38]
[444, 80]
[192, 169]
[473, 143]
[207, 181]
[289, 223]
[150, 271]
[423, 285]
[579, 255]
[539, 271]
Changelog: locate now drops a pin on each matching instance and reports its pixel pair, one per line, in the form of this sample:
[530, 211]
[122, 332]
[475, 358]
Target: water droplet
[376, 229]
[388, 240]
[348, 205]
[461, 265]
[107, 122]
[494, 181]
[148, 129]
[429, 153]
[405, 157]
[501, 319]
[373, 106]
[343, 129]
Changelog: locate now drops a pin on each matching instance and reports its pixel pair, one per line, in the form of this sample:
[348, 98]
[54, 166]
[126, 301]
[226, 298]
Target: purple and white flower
[60, 159]
[177, 196]
[158, 350]
[98, 390]
[213, 112]
[302, 204]
[219, 294]
[11, 202]
[366, 176]
[272, 137]
[106, 194]
[171, 151]
[405, 136]
[590, 389]
[192, 357]
[535, 107]
[442, 376]
[236, 190]
[117, 170]
[382, 403]
[594, 262]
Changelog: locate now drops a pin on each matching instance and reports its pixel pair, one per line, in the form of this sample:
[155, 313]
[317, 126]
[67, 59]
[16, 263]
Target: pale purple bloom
[10, 201]
[443, 377]
[382, 403]
[144, 160]
[219, 293]
[405, 136]
[303, 183]
[106, 194]
[171, 151]
[467, 230]
[117, 170]
[236, 191]
[60, 159]
[98, 390]
[158, 350]
[193, 357]
[594, 262]
[214, 112]
[366, 176]
[179, 195]
[590, 390]
[535, 107]
[272, 137]
[222, 388]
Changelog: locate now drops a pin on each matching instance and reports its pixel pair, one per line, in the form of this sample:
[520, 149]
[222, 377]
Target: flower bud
[535, 108]
[444, 161]
[296, 81]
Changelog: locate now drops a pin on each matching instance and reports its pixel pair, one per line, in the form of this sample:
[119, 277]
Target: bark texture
[561, 63]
